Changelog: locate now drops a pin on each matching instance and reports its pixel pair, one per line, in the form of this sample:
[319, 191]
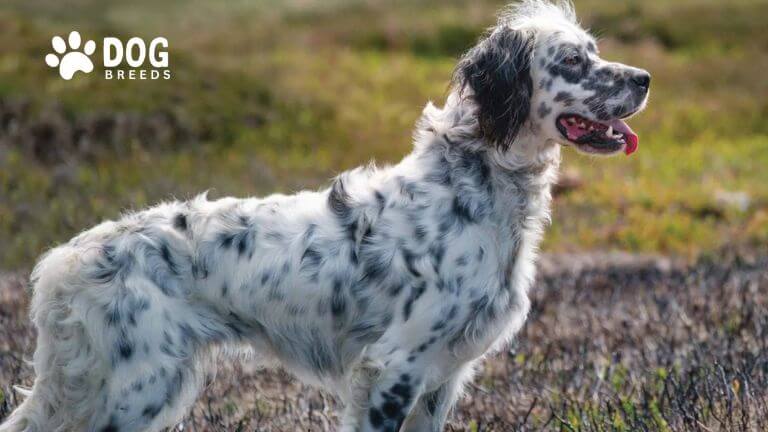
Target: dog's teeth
[591, 128]
[609, 132]
[571, 120]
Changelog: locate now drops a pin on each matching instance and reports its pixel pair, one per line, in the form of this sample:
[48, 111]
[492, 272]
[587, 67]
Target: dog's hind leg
[150, 401]
[120, 355]
[66, 362]
[157, 364]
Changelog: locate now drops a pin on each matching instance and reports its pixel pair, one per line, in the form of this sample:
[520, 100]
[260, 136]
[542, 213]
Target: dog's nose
[642, 80]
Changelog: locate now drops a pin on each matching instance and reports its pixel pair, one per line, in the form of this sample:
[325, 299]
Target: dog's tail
[65, 362]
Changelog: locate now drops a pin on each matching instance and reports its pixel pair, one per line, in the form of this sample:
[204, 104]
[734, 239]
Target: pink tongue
[629, 135]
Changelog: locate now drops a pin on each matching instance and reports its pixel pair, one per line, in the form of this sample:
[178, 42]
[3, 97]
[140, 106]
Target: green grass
[280, 95]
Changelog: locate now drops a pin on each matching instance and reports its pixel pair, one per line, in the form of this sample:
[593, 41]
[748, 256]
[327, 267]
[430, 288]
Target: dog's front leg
[432, 409]
[391, 399]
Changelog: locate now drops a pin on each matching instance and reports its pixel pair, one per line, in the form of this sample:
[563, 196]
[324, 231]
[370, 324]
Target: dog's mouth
[595, 137]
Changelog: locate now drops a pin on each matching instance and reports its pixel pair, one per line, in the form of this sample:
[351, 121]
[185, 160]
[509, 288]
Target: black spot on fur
[180, 222]
[199, 271]
[112, 315]
[380, 200]
[339, 200]
[165, 253]
[110, 428]
[265, 276]
[137, 386]
[410, 262]
[544, 110]
[109, 265]
[234, 326]
[565, 97]
[134, 307]
[437, 250]
[416, 292]
[226, 240]
[242, 237]
[187, 334]
[366, 331]
[151, 411]
[338, 302]
[375, 264]
[461, 211]
[396, 289]
[402, 390]
[375, 417]
[124, 346]
[391, 409]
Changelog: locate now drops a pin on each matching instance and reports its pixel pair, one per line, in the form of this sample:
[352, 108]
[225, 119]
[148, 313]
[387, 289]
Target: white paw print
[72, 61]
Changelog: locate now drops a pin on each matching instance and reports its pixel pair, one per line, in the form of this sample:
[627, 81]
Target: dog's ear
[498, 70]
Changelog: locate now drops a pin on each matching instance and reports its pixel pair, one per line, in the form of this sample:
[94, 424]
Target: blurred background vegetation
[279, 95]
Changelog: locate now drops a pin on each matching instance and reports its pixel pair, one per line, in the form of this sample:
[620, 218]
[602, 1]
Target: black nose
[642, 79]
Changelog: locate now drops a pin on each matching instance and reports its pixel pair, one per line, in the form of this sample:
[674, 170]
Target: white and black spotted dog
[386, 288]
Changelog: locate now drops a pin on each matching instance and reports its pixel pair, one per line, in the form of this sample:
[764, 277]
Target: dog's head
[539, 73]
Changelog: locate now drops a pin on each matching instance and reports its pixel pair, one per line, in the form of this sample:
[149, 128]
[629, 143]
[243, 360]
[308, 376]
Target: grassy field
[270, 95]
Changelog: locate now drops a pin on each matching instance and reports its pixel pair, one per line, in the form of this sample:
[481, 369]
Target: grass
[279, 96]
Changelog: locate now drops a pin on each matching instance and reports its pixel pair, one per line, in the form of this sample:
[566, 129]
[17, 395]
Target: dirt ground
[613, 342]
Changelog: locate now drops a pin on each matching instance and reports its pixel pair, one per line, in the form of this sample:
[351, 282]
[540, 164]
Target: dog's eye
[572, 60]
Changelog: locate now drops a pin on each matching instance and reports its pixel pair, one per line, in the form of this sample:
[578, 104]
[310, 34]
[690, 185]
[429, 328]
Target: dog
[386, 288]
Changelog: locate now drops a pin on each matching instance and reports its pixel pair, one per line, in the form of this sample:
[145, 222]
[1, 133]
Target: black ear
[498, 70]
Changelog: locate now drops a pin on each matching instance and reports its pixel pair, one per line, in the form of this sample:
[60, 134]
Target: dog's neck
[528, 167]
[509, 189]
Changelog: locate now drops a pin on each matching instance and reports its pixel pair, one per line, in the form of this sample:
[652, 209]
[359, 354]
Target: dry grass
[613, 343]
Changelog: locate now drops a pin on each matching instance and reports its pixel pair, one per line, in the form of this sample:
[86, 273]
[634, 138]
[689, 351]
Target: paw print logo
[69, 60]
